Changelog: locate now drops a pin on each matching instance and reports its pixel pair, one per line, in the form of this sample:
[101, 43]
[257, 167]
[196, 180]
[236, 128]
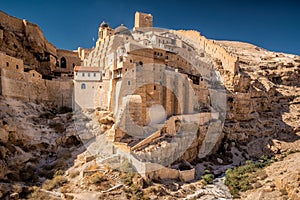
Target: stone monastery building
[148, 66]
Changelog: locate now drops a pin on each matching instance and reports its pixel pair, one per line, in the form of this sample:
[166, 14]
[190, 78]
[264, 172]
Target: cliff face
[263, 95]
[263, 100]
[25, 40]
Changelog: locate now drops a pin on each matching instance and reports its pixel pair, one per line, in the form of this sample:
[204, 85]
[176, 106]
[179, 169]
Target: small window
[76, 73]
[83, 86]
[17, 66]
[100, 86]
[83, 74]
[89, 74]
[154, 87]
[130, 60]
[7, 64]
[128, 82]
[33, 74]
[94, 74]
[125, 70]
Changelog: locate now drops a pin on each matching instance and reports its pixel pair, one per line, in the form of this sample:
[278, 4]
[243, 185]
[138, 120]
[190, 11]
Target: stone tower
[143, 20]
[103, 32]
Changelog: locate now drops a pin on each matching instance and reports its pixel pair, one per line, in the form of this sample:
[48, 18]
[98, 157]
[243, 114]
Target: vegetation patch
[242, 178]
[56, 182]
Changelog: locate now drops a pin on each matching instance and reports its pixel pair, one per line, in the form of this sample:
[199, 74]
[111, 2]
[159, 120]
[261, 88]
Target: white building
[86, 83]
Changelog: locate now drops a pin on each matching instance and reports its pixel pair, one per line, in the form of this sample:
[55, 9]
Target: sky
[68, 24]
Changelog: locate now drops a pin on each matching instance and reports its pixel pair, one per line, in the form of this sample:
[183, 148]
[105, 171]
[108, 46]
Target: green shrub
[241, 178]
[207, 179]
[126, 178]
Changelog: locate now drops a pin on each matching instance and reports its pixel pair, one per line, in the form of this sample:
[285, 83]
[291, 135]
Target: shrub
[241, 178]
[57, 181]
[74, 173]
[37, 194]
[126, 178]
[97, 178]
[207, 179]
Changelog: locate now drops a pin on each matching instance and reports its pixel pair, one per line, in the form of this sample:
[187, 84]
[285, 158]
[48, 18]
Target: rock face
[35, 143]
[22, 39]
[263, 100]
[282, 181]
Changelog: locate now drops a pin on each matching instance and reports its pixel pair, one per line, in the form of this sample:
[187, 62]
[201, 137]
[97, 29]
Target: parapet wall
[11, 22]
[29, 86]
[229, 62]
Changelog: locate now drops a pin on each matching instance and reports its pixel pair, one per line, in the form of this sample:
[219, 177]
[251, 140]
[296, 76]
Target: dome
[122, 30]
[103, 25]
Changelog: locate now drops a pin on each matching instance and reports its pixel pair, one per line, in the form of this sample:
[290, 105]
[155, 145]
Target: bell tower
[143, 20]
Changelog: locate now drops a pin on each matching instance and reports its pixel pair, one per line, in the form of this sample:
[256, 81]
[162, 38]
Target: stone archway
[63, 62]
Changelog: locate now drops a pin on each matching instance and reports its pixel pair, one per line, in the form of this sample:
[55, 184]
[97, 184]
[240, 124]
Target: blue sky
[274, 25]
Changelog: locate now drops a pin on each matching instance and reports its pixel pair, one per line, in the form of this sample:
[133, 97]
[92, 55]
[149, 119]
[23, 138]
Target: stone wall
[29, 86]
[229, 62]
[72, 58]
[14, 23]
[11, 63]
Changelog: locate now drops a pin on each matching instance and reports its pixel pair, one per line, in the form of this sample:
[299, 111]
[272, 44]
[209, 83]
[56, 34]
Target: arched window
[63, 62]
[83, 86]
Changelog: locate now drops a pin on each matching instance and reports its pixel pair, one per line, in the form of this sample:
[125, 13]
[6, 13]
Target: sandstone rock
[3, 169]
[14, 196]
[3, 135]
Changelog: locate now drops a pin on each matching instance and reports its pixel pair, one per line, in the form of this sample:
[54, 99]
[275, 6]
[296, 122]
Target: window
[94, 74]
[154, 87]
[89, 74]
[83, 86]
[63, 62]
[7, 64]
[76, 73]
[83, 74]
[100, 86]
[128, 82]
[17, 66]
[32, 74]
[130, 60]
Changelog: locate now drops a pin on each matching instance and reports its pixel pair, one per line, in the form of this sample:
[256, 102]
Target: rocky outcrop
[36, 142]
